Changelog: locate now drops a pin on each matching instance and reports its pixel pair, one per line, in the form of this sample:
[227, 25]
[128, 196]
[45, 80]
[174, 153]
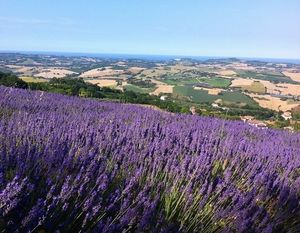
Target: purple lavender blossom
[77, 165]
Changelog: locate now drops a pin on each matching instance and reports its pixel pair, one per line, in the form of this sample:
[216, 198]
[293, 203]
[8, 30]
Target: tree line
[78, 87]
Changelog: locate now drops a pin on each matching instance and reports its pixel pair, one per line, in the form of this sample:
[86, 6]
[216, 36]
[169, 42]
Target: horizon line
[33, 52]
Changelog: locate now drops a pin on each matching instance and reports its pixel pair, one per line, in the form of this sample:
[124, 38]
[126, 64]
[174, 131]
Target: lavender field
[79, 165]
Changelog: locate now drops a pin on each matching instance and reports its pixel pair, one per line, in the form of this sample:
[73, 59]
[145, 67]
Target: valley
[220, 86]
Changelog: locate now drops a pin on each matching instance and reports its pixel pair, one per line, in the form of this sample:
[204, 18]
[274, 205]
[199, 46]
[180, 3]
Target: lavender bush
[78, 165]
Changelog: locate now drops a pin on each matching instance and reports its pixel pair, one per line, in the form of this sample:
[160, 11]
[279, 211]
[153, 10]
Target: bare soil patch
[103, 82]
[163, 88]
[294, 75]
[274, 103]
[101, 72]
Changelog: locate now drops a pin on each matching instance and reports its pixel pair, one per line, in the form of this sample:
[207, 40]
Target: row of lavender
[76, 165]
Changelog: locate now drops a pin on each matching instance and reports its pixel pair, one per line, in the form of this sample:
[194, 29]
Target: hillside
[71, 164]
[263, 89]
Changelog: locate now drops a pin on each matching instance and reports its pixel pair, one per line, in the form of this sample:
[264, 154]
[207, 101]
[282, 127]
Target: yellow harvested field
[239, 82]
[271, 87]
[274, 103]
[293, 75]
[135, 70]
[54, 73]
[214, 91]
[226, 72]
[250, 85]
[211, 91]
[158, 71]
[100, 72]
[288, 89]
[281, 88]
[103, 82]
[162, 89]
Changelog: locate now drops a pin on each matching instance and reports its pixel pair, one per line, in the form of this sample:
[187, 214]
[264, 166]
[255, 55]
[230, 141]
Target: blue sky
[256, 28]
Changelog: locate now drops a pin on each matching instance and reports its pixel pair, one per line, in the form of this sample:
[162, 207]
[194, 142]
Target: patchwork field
[275, 77]
[274, 103]
[249, 85]
[23, 69]
[211, 91]
[54, 73]
[184, 79]
[262, 86]
[41, 72]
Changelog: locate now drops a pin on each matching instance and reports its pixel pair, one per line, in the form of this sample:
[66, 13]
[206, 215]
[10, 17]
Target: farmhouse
[245, 119]
[257, 124]
[253, 122]
[289, 128]
[287, 115]
[163, 97]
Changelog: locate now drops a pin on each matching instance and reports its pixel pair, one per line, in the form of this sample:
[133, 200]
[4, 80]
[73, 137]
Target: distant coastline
[150, 57]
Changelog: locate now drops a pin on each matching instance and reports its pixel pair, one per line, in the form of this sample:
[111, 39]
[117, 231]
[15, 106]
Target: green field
[272, 77]
[179, 80]
[216, 82]
[33, 79]
[183, 80]
[134, 88]
[202, 96]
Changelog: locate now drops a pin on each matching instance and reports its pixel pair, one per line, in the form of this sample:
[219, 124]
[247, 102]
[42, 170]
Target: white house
[163, 97]
[287, 115]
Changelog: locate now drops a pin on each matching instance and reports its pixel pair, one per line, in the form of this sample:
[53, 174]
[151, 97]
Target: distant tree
[10, 80]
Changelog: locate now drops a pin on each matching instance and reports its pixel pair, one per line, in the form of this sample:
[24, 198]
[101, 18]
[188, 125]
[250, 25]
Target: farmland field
[79, 165]
[186, 81]
[256, 87]
[33, 79]
[216, 82]
[212, 81]
[134, 88]
[276, 78]
[202, 96]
